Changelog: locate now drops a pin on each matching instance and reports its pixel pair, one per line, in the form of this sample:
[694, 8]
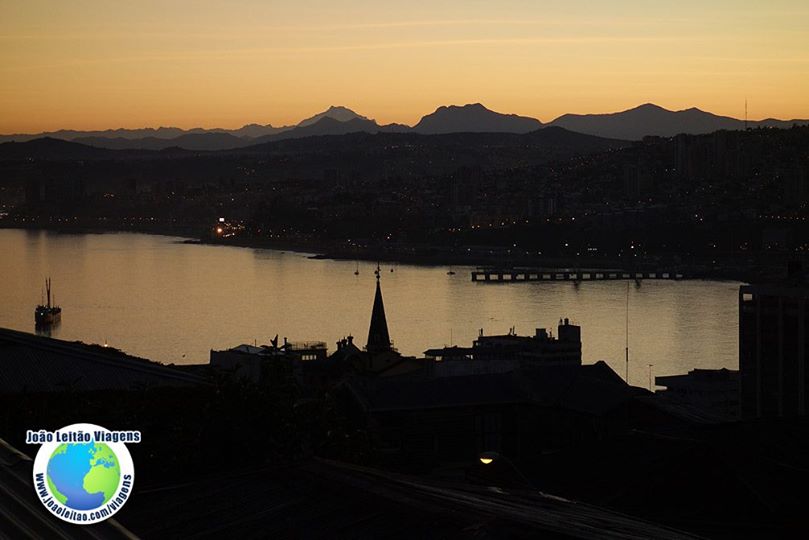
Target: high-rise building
[773, 326]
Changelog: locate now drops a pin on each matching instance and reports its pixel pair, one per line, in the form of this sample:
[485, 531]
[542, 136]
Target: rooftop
[30, 363]
[327, 499]
[23, 516]
[592, 389]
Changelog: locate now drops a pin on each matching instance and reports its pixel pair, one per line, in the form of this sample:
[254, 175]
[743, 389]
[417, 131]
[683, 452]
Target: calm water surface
[155, 297]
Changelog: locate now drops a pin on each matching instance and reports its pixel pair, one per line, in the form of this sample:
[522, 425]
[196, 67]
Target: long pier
[520, 275]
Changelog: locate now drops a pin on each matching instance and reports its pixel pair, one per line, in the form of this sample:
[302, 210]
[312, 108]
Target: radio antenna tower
[745, 114]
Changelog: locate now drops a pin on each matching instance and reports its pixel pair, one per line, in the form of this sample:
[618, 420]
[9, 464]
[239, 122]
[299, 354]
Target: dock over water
[538, 274]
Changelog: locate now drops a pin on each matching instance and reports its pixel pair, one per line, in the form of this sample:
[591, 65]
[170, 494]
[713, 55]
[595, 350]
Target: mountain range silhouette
[445, 151]
[632, 124]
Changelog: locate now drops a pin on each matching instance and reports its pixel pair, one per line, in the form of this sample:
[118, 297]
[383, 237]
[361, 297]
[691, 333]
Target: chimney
[541, 333]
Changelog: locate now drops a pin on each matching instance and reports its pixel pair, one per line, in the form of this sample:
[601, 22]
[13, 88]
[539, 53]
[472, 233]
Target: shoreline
[424, 255]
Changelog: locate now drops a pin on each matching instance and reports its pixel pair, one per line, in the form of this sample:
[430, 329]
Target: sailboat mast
[48, 288]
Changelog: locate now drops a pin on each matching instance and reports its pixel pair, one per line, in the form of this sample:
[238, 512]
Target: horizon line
[370, 118]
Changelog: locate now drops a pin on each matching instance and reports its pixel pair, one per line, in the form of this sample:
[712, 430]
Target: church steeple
[378, 336]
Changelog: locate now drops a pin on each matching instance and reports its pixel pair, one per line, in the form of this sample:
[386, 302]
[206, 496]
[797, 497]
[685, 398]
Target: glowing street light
[500, 471]
[488, 457]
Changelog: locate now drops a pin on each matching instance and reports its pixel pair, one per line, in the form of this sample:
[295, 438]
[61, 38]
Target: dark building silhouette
[255, 362]
[773, 324]
[380, 358]
[565, 349]
[378, 336]
[310, 362]
[508, 352]
[430, 422]
[709, 393]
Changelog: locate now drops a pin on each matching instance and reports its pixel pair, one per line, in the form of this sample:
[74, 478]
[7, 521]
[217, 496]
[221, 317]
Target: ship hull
[47, 317]
[47, 314]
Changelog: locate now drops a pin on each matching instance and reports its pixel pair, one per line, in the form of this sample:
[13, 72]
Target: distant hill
[163, 133]
[48, 148]
[413, 155]
[189, 141]
[650, 119]
[354, 137]
[542, 144]
[70, 134]
[474, 118]
[561, 137]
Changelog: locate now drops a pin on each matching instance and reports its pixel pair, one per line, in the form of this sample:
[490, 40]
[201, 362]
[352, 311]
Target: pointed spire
[378, 336]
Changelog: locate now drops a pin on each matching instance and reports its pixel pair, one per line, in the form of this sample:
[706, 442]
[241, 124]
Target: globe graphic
[83, 476]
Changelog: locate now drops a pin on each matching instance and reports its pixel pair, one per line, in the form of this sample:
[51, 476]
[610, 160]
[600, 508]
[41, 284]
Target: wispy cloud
[188, 55]
[192, 32]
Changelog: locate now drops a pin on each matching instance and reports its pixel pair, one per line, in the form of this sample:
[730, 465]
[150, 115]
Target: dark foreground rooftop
[23, 516]
[31, 364]
[327, 499]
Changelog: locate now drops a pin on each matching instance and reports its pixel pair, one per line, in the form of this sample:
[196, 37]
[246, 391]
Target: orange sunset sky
[94, 64]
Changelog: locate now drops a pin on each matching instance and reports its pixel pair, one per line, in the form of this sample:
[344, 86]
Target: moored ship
[47, 314]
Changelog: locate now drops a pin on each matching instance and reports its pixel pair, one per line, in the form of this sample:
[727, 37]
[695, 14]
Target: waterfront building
[507, 352]
[773, 326]
[253, 362]
[310, 362]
